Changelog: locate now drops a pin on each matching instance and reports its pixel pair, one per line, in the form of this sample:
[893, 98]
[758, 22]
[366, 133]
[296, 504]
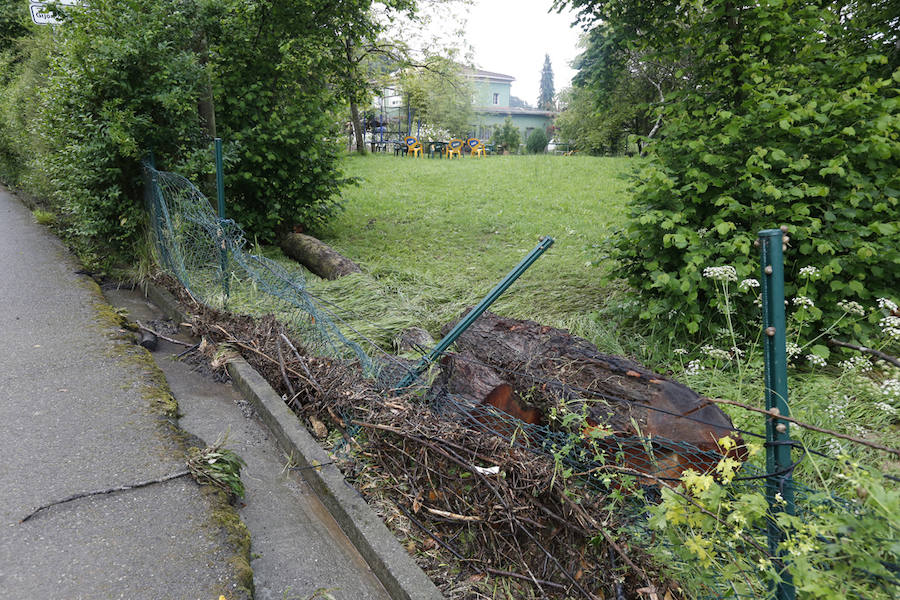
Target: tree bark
[317, 256]
[357, 128]
[549, 366]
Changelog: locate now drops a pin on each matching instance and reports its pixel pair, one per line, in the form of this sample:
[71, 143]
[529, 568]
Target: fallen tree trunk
[551, 368]
[317, 256]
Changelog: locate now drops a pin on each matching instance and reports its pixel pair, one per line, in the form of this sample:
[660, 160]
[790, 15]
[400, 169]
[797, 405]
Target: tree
[440, 95]
[507, 136]
[545, 98]
[536, 142]
[122, 80]
[788, 114]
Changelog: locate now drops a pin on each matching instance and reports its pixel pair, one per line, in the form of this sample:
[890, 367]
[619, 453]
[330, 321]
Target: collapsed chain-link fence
[704, 536]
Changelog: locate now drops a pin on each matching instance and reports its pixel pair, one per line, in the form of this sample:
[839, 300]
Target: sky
[512, 37]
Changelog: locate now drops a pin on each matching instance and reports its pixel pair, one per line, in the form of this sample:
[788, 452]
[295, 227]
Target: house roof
[479, 74]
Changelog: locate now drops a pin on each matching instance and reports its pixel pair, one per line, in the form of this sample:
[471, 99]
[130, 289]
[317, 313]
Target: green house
[491, 103]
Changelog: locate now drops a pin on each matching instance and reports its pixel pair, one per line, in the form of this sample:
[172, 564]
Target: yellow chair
[453, 147]
[413, 146]
[476, 146]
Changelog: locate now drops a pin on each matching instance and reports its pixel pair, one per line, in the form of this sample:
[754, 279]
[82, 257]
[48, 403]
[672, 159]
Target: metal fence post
[220, 195]
[779, 484]
[473, 314]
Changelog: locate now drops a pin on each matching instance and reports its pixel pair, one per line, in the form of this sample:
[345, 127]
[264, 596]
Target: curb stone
[399, 574]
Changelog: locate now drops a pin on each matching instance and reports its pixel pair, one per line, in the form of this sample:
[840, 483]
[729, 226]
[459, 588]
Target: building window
[496, 98]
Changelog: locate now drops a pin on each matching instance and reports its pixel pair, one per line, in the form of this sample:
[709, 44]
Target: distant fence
[756, 561]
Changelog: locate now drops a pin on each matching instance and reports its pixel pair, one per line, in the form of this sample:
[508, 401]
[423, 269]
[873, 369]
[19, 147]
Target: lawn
[438, 234]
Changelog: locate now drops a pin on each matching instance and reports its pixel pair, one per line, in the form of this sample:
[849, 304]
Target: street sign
[41, 16]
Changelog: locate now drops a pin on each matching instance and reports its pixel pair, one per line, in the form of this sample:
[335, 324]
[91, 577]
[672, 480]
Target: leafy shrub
[537, 142]
[507, 136]
[121, 80]
[795, 132]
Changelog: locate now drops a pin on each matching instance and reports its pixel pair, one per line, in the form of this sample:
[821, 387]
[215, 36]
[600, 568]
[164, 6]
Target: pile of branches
[498, 509]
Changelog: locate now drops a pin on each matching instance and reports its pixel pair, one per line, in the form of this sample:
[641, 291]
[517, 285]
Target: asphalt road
[73, 418]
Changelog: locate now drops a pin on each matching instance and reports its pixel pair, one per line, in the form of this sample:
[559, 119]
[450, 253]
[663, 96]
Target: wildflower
[856, 364]
[816, 361]
[851, 307]
[809, 272]
[886, 304]
[723, 273]
[792, 349]
[681, 351]
[835, 447]
[891, 388]
[885, 407]
[803, 301]
[702, 231]
[737, 352]
[747, 284]
[890, 326]
[716, 353]
[693, 368]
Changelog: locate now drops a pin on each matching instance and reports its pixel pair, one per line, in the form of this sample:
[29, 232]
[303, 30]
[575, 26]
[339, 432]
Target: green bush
[794, 132]
[507, 137]
[537, 142]
[120, 80]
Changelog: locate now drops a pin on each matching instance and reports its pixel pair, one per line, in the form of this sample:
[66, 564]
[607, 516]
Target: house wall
[485, 90]
[489, 122]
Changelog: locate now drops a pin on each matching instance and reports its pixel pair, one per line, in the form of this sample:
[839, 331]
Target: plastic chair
[453, 147]
[413, 146]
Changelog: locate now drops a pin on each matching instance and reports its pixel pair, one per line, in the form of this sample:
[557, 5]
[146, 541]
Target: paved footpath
[74, 418]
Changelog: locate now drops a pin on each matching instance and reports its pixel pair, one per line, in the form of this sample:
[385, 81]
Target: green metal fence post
[220, 195]
[779, 484]
[473, 314]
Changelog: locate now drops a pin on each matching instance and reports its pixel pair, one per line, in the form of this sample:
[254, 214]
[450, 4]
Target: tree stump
[551, 368]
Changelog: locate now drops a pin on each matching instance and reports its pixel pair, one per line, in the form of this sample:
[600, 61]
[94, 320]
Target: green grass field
[438, 234]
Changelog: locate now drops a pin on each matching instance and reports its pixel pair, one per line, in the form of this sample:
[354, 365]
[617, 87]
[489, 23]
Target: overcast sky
[512, 36]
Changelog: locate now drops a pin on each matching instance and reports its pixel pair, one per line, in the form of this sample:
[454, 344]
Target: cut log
[317, 256]
[550, 367]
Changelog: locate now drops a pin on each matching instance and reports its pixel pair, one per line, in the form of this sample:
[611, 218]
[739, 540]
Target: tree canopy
[781, 112]
[547, 93]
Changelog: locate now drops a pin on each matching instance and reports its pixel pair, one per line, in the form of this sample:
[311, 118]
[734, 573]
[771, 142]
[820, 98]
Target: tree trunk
[551, 367]
[317, 256]
[357, 128]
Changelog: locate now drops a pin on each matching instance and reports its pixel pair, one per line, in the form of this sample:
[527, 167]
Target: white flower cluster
[723, 273]
[810, 272]
[693, 368]
[836, 411]
[716, 353]
[885, 407]
[816, 361]
[681, 351]
[804, 301]
[890, 326]
[836, 447]
[747, 284]
[856, 364]
[792, 349]
[886, 304]
[852, 307]
[891, 388]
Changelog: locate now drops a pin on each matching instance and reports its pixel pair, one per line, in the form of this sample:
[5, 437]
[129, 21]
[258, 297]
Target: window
[496, 98]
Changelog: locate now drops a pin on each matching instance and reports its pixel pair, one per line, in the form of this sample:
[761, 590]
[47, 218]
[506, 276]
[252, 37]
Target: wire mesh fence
[701, 519]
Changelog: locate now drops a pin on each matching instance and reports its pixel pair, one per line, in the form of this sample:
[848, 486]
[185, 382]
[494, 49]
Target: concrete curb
[399, 574]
